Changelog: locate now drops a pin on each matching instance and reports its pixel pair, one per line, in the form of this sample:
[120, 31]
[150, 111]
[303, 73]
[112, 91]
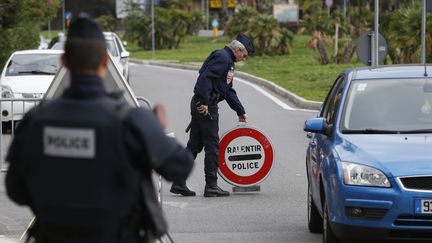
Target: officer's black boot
[215, 191]
[182, 189]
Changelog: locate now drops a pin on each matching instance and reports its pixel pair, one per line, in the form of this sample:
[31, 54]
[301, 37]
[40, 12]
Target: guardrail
[11, 107]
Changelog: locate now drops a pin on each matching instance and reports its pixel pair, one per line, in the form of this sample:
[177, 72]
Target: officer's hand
[159, 111]
[243, 118]
[203, 109]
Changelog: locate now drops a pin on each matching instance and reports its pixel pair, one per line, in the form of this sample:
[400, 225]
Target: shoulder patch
[230, 75]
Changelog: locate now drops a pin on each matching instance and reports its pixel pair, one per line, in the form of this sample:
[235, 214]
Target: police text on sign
[246, 156]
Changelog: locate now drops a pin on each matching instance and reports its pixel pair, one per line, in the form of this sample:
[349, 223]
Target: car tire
[315, 221]
[6, 127]
[328, 235]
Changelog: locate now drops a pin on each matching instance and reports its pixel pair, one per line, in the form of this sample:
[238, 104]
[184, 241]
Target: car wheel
[315, 222]
[328, 235]
[6, 127]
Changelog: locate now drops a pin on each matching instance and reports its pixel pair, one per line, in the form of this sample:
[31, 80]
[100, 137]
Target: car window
[33, 64]
[58, 46]
[112, 47]
[332, 101]
[388, 104]
[119, 45]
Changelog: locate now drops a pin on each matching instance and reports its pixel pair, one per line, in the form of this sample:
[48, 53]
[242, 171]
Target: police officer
[214, 84]
[78, 161]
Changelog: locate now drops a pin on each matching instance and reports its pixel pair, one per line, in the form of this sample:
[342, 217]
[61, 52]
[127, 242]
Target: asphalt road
[275, 214]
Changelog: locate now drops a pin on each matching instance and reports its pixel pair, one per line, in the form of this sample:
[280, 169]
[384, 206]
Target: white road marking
[175, 204]
[5, 239]
[256, 87]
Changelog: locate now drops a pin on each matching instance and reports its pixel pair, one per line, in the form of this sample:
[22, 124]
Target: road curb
[295, 99]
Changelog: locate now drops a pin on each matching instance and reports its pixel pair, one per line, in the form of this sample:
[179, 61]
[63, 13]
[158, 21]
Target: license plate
[423, 206]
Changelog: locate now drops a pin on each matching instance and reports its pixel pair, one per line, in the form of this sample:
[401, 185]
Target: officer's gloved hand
[243, 118]
[159, 111]
[203, 109]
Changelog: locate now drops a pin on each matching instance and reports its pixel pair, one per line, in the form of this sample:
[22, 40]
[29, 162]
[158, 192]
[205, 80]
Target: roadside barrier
[11, 112]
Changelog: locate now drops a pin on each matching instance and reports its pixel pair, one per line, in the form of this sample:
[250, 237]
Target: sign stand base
[255, 188]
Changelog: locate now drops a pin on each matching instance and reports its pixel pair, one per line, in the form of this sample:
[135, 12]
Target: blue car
[369, 156]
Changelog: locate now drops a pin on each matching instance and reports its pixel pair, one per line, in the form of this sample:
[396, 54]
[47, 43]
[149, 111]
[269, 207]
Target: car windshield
[388, 106]
[33, 64]
[58, 46]
[112, 47]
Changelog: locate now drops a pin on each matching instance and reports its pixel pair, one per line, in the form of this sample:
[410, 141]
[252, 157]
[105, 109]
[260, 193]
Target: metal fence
[11, 112]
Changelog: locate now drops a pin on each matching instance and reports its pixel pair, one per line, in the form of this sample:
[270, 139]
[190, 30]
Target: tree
[402, 29]
[262, 6]
[19, 23]
[269, 37]
[172, 24]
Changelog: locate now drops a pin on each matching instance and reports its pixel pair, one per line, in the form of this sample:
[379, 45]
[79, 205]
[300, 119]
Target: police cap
[84, 27]
[247, 42]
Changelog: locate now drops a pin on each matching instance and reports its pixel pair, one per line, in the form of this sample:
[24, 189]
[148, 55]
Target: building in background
[286, 11]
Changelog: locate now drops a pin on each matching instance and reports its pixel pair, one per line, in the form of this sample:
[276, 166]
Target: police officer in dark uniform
[214, 84]
[78, 161]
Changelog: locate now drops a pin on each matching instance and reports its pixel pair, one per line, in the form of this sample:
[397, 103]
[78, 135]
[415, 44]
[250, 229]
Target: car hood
[395, 154]
[28, 83]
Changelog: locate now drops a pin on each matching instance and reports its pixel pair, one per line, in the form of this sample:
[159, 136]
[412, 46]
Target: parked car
[115, 46]
[118, 52]
[27, 74]
[369, 157]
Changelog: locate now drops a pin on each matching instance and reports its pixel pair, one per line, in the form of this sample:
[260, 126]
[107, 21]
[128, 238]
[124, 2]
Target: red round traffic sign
[245, 156]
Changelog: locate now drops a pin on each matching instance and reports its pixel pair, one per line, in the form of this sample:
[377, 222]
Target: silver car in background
[27, 74]
[115, 46]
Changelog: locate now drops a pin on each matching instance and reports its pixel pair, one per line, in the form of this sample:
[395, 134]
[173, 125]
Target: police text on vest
[69, 142]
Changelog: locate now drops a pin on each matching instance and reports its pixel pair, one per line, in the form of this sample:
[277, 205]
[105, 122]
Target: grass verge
[299, 72]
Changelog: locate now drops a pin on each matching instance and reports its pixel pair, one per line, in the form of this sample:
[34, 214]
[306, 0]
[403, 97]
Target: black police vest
[80, 181]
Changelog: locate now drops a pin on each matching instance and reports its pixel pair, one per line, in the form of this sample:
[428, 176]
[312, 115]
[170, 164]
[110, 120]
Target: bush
[171, 26]
[19, 24]
[107, 22]
[269, 38]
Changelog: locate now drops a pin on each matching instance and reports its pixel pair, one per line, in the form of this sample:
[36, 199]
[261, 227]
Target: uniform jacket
[138, 140]
[215, 80]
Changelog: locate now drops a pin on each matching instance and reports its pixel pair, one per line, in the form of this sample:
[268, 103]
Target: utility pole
[207, 14]
[224, 14]
[344, 8]
[375, 38]
[423, 34]
[153, 31]
[63, 19]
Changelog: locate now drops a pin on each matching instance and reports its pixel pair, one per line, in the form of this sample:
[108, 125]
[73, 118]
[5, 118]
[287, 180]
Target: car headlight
[6, 92]
[362, 175]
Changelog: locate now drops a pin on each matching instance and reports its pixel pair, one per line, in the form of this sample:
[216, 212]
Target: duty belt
[214, 98]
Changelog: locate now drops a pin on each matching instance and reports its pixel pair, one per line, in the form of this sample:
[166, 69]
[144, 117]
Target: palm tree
[404, 33]
[241, 21]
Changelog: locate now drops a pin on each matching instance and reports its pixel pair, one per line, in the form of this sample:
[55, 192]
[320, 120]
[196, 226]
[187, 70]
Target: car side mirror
[124, 54]
[317, 125]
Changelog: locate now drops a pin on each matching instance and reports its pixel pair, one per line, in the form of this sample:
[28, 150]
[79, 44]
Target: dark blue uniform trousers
[204, 133]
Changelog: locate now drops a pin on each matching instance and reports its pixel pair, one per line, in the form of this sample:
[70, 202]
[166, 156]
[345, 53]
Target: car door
[124, 56]
[321, 144]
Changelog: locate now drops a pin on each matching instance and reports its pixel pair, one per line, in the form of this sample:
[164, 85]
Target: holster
[153, 219]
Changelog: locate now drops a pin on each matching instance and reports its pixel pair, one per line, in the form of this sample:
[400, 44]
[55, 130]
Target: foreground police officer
[214, 84]
[78, 161]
